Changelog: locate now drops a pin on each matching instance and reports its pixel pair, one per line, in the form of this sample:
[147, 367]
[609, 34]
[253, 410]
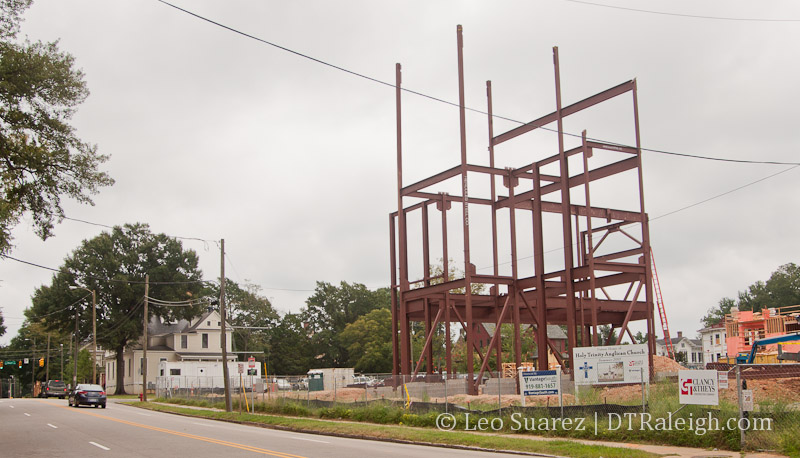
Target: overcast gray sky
[215, 135]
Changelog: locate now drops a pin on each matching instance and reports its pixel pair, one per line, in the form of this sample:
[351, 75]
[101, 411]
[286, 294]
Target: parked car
[54, 388]
[87, 394]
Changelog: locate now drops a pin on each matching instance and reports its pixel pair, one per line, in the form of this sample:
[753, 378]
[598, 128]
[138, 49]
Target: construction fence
[758, 410]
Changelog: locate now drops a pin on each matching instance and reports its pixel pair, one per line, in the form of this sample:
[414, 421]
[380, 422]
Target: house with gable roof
[198, 339]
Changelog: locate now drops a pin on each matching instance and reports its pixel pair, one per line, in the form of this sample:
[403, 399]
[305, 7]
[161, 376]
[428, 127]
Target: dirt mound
[664, 364]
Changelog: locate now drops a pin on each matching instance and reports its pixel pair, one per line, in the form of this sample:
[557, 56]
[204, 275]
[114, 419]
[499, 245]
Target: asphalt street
[49, 428]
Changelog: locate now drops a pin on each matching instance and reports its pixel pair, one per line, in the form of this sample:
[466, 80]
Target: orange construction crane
[661, 312]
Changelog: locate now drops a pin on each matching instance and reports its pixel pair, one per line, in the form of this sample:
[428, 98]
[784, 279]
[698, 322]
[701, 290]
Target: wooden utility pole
[94, 338]
[144, 346]
[47, 361]
[223, 337]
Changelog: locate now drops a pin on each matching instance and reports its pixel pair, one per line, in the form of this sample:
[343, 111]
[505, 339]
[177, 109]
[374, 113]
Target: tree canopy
[782, 289]
[42, 159]
[330, 310]
[114, 265]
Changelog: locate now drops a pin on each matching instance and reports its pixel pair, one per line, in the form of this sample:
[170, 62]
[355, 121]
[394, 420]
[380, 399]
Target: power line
[111, 280]
[724, 193]
[114, 227]
[693, 16]
[436, 99]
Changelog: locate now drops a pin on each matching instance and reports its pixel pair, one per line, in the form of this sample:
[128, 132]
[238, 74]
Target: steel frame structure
[592, 287]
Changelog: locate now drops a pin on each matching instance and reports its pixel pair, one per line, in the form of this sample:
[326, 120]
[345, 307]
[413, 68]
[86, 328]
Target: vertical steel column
[589, 242]
[426, 264]
[465, 201]
[493, 197]
[443, 205]
[395, 311]
[565, 216]
[405, 348]
[538, 257]
[648, 274]
[511, 181]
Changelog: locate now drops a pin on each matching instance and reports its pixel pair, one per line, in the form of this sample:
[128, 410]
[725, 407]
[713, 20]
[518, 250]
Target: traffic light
[41, 362]
[20, 364]
[1, 364]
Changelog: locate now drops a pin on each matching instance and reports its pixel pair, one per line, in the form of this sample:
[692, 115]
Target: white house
[692, 349]
[195, 340]
[714, 347]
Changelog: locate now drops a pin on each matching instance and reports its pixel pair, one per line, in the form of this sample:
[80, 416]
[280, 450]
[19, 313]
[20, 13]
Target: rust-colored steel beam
[582, 293]
[566, 111]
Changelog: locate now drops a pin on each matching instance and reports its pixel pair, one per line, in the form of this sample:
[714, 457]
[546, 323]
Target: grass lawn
[560, 447]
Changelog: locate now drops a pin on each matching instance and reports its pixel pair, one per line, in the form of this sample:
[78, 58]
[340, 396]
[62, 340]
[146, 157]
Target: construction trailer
[602, 277]
[331, 378]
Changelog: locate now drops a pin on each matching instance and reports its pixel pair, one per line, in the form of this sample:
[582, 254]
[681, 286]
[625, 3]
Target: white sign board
[539, 383]
[723, 380]
[747, 400]
[698, 387]
[610, 365]
[241, 368]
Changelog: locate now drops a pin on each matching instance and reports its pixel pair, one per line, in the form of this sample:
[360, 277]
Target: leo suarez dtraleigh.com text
[626, 421]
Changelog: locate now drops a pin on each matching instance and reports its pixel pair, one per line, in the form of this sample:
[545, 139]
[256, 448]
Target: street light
[94, 334]
[62, 362]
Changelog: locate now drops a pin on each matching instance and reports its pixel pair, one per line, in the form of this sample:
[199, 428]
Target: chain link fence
[758, 410]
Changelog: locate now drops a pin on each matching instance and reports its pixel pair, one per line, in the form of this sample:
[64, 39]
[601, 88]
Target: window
[717, 339]
[219, 323]
[130, 367]
[184, 341]
[205, 340]
[208, 323]
[174, 372]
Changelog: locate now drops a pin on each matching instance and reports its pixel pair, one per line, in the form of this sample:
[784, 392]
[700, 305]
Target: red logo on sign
[686, 387]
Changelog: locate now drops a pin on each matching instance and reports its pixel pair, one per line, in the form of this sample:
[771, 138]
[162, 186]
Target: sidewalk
[670, 450]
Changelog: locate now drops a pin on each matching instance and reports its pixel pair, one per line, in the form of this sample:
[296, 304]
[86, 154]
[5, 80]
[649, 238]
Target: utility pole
[94, 338]
[75, 371]
[62, 362]
[144, 346]
[47, 361]
[33, 369]
[223, 336]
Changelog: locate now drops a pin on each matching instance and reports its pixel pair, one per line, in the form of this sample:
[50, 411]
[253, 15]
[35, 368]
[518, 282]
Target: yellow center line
[192, 436]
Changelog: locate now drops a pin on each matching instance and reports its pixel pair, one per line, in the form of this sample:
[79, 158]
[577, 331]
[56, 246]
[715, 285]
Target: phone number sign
[539, 383]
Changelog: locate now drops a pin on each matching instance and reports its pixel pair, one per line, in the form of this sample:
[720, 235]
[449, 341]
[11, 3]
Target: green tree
[782, 289]
[2, 327]
[247, 308]
[330, 310]
[289, 350]
[84, 367]
[716, 315]
[42, 159]
[114, 265]
[369, 341]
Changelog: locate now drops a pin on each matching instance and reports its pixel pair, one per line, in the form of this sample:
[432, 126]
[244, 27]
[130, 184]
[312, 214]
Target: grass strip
[410, 434]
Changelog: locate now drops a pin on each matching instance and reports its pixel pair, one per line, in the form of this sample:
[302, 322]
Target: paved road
[48, 428]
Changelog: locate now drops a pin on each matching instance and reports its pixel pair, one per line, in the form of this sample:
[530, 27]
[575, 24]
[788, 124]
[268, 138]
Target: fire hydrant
[141, 397]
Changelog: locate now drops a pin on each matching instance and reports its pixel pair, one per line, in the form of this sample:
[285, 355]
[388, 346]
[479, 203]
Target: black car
[87, 394]
[54, 388]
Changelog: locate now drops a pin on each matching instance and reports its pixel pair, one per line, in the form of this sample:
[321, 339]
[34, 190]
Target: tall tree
[782, 289]
[114, 265]
[42, 159]
[289, 350]
[2, 326]
[369, 341]
[330, 310]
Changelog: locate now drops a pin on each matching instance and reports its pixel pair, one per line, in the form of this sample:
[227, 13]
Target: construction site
[603, 278]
